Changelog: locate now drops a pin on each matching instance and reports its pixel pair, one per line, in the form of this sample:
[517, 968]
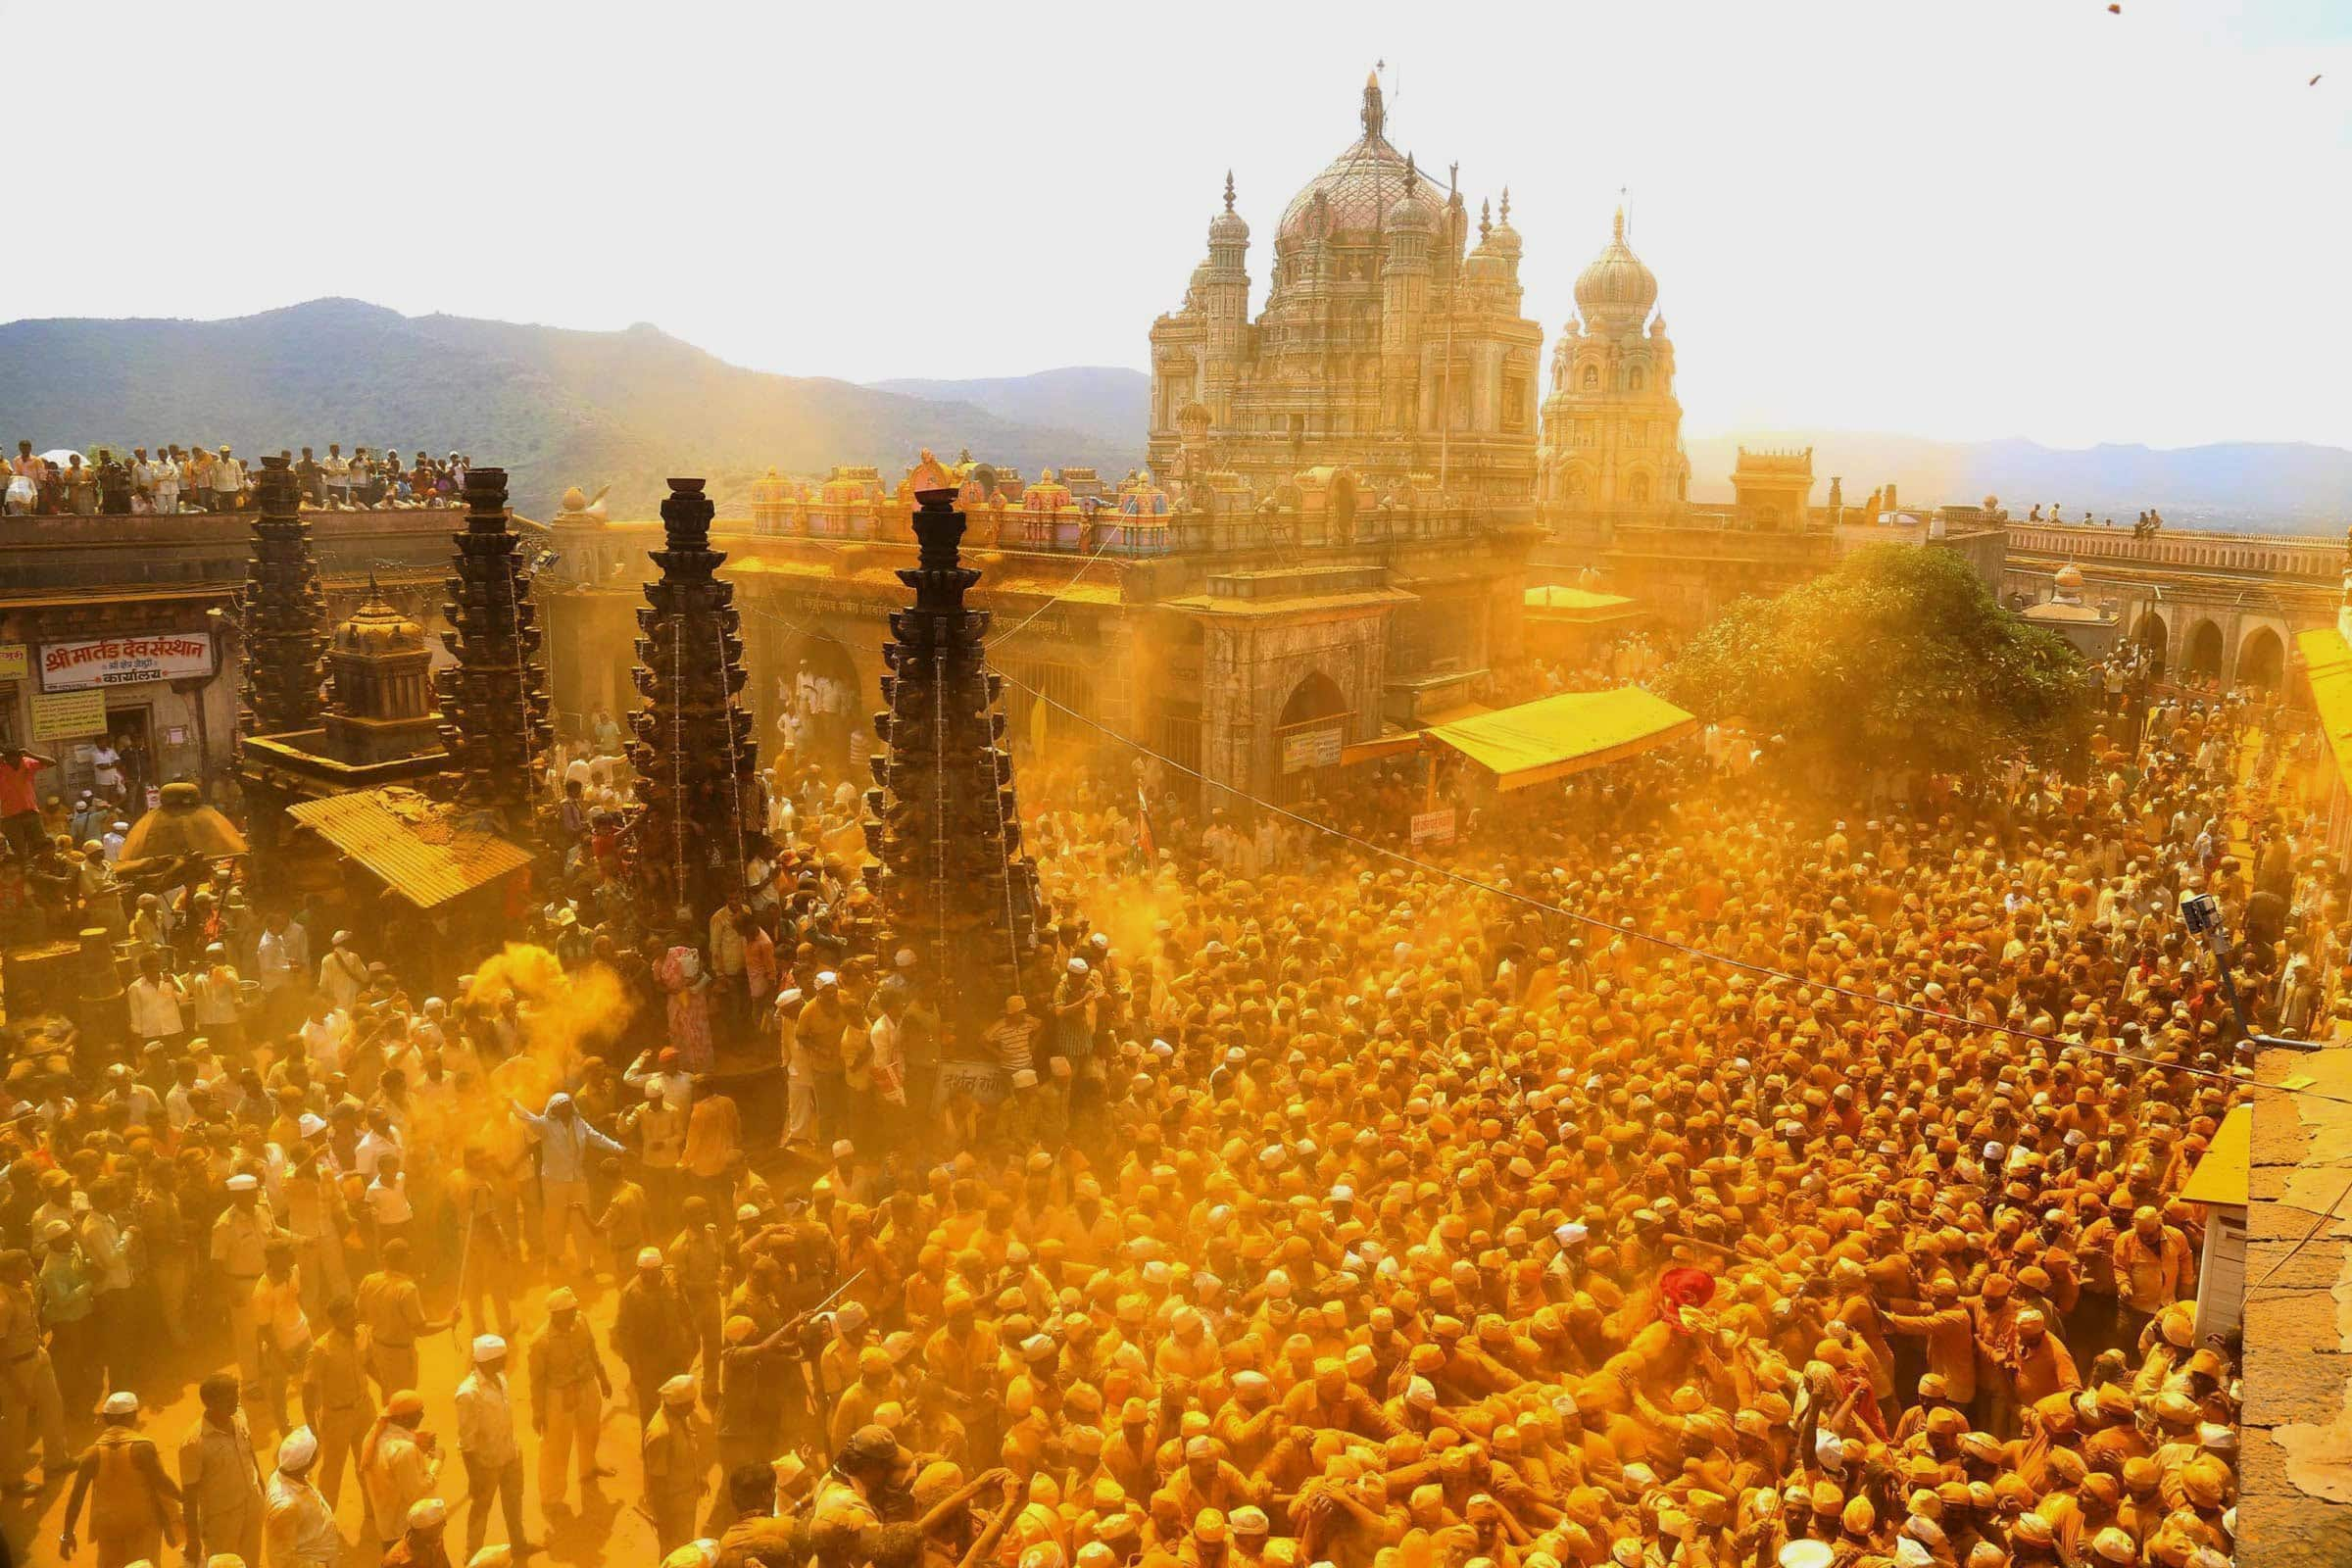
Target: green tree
[1900, 655]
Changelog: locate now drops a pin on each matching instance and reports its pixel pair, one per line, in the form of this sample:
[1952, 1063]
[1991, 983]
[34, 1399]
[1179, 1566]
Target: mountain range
[561, 407]
[555, 406]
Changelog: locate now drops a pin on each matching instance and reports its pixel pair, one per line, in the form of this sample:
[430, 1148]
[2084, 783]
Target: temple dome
[1228, 227]
[1502, 240]
[377, 628]
[2070, 578]
[1616, 282]
[1358, 189]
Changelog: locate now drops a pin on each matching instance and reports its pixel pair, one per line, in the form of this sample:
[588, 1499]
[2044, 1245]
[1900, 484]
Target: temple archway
[1309, 735]
[2261, 658]
[818, 687]
[2204, 649]
[2152, 634]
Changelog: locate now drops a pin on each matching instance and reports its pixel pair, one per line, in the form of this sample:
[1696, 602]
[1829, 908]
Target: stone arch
[1636, 378]
[1316, 696]
[2203, 651]
[2152, 633]
[2261, 657]
[1637, 487]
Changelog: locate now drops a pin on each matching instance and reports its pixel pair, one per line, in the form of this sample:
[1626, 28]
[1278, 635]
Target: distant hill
[556, 406]
[2283, 487]
[1107, 402]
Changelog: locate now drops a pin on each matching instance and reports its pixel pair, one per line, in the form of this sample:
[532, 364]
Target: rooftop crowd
[1332, 1210]
[170, 480]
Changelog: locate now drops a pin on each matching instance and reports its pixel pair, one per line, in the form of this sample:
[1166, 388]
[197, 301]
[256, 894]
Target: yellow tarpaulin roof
[1578, 604]
[2221, 1176]
[1553, 737]
[2327, 662]
[1455, 713]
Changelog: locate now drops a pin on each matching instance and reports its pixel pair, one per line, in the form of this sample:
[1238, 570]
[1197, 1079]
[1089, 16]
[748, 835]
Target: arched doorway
[820, 700]
[1309, 735]
[2151, 634]
[2261, 658]
[2205, 650]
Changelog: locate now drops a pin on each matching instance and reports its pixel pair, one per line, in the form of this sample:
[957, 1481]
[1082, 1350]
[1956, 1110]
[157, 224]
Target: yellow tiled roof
[425, 851]
[1553, 737]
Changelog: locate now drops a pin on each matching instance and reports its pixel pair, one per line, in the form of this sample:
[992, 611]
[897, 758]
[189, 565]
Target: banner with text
[93, 662]
[68, 715]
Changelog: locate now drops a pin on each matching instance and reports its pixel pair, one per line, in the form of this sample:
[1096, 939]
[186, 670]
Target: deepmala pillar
[495, 721]
[705, 803]
[281, 617]
[942, 822]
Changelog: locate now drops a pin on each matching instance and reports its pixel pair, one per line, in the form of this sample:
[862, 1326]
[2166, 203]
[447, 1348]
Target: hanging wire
[1059, 594]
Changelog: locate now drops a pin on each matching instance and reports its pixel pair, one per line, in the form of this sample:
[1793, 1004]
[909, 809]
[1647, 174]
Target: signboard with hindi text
[65, 715]
[89, 663]
[14, 665]
[1312, 747]
[1433, 827]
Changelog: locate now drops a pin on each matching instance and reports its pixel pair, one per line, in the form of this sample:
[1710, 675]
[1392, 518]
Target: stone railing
[2319, 558]
[118, 551]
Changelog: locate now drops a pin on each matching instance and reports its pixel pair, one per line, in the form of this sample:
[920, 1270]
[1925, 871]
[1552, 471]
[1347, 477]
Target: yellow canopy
[1577, 605]
[1553, 737]
[2220, 1176]
[2327, 662]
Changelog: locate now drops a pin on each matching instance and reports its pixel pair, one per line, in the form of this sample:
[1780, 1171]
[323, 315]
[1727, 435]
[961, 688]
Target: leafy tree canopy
[1900, 655]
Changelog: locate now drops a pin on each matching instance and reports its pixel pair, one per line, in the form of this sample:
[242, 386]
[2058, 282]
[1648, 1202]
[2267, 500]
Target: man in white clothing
[486, 1443]
[299, 1523]
[154, 999]
[342, 974]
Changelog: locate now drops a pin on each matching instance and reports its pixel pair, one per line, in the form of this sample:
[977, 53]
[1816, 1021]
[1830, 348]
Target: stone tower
[942, 824]
[699, 769]
[494, 703]
[283, 615]
[1612, 427]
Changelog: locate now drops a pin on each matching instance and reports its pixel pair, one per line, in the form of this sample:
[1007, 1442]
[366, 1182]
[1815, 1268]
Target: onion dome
[1503, 239]
[2070, 578]
[1409, 210]
[1228, 227]
[1352, 196]
[1616, 284]
[376, 627]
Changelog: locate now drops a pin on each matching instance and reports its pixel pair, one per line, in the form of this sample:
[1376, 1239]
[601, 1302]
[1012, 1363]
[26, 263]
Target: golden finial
[1507, 206]
[1485, 225]
[929, 475]
[1229, 190]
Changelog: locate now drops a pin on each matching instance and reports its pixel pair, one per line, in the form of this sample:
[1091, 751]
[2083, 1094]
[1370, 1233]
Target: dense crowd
[174, 479]
[1333, 1210]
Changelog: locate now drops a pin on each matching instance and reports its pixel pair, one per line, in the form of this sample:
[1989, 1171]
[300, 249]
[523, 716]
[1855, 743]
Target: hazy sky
[1960, 220]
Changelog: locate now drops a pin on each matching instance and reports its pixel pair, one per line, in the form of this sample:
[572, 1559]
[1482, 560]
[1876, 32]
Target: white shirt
[390, 1204]
[154, 1007]
[486, 1420]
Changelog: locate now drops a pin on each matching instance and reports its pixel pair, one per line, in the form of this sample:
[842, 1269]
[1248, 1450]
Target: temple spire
[1374, 114]
[1229, 190]
[942, 822]
[696, 759]
[281, 615]
[495, 720]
